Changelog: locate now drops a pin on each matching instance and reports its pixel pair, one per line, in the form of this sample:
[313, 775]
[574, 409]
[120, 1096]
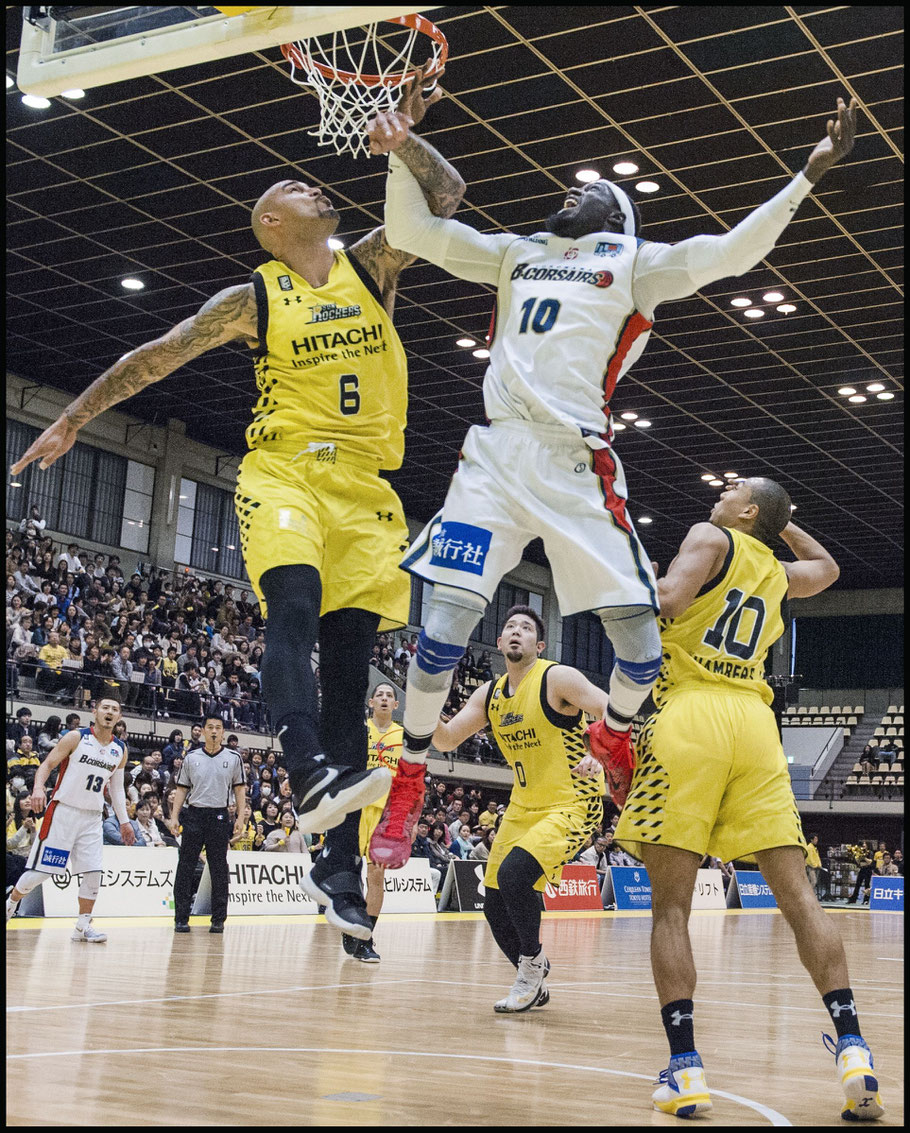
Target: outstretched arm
[228, 315]
[465, 723]
[673, 271]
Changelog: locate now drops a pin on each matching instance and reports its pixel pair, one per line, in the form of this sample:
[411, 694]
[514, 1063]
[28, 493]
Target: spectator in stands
[21, 830]
[488, 817]
[24, 760]
[22, 727]
[898, 861]
[481, 851]
[440, 855]
[246, 838]
[620, 857]
[888, 868]
[879, 854]
[111, 835]
[72, 722]
[49, 736]
[462, 845]
[148, 827]
[71, 558]
[287, 838]
[596, 855]
[33, 525]
[887, 750]
[123, 673]
[270, 817]
[49, 677]
[463, 818]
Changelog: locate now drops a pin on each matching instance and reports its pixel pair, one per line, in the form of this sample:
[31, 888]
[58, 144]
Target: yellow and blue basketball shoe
[683, 1090]
[860, 1085]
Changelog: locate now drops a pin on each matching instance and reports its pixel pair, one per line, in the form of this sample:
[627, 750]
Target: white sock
[83, 922]
[421, 711]
[11, 907]
[626, 697]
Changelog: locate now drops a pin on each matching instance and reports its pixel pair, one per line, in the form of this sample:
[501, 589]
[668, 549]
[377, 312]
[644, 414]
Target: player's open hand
[387, 131]
[838, 143]
[38, 801]
[128, 834]
[414, 101]
[54, 442]
[588, 768]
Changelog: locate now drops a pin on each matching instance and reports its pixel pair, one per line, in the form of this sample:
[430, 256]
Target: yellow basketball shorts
[369, 820]
[552, 837]
[711, 777]
[326, 510]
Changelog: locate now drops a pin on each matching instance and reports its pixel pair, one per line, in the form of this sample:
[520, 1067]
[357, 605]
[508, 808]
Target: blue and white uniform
[572, 316]
[70, 835]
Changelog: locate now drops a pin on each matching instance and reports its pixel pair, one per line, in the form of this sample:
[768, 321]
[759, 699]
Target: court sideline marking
[771, 1115]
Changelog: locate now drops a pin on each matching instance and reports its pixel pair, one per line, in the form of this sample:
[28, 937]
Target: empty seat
[852, 780]
[824, 710]
[892, 708]
[859, 710]
[899, 719]
[846, 733]
[857, 768]
[884, 766]
[829, 720]
[890, 731]
[852, 721]
[863, 780]
[812, 709]
[840, 719]
[835, 708]
[886, 719]
[802, 711]
[900, 781]
[791, 711]
[889, 780]
[876, 780]
[879, 732]
[897, 765]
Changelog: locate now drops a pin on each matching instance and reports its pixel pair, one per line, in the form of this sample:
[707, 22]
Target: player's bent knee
[30, 880]
[91, 886]
[519, 870]
[635, 637]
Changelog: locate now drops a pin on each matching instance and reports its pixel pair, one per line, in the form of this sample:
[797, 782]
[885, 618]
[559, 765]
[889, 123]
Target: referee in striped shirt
[205, 781]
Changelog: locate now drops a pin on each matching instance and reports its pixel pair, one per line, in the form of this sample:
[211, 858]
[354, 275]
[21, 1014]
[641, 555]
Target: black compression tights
[513, 910]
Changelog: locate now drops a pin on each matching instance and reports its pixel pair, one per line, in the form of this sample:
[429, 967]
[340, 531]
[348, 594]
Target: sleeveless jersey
[565, 330]
[540, 744]
[722, 640]
[82, 776]
[330, 366]
[384, 748]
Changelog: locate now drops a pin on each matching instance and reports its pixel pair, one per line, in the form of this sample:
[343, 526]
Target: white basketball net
[346, 105]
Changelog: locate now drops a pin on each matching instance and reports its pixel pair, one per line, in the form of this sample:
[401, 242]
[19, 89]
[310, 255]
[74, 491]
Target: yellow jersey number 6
[349, 394]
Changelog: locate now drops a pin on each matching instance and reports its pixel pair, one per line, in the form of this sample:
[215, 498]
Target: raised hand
[54, 442]
[389, 129]
[841, 135]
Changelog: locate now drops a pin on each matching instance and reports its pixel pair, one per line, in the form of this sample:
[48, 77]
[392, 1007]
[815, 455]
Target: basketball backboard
[65, 47]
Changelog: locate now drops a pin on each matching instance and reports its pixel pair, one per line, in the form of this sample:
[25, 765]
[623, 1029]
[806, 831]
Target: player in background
[384, 738]
[321, 531]
[70, 836]
[712, 776]
[536, 713]
[575, 306]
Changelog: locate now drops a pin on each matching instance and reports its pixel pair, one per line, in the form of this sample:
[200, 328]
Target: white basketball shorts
[68, 839]
[517, 480]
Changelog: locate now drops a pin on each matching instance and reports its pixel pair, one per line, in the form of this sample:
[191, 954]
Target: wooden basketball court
[271, 1024]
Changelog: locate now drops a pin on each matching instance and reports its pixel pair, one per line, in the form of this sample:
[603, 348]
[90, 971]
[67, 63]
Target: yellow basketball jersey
[541, 745]
[384, 748]
[722, 640]
[329, 364]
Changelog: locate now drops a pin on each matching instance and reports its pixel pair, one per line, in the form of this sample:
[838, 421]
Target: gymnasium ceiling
[717, 104]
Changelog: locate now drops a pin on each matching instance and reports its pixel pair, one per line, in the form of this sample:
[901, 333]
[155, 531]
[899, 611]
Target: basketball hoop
[334, 68]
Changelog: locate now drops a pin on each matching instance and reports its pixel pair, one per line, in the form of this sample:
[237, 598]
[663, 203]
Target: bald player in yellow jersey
[712, 776]
[384, 742]
[537, 715]
[321, 531]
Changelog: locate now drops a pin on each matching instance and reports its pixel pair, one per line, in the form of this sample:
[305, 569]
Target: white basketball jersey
[82, 776]
[565, 330]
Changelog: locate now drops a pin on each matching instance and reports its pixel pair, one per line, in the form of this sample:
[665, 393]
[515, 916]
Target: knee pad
[450, 621]
[30, 880]
[635, 638]
[91, 885]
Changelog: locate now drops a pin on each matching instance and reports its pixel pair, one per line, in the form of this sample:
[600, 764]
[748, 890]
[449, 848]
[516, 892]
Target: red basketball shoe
[614, 751]
[391, 842]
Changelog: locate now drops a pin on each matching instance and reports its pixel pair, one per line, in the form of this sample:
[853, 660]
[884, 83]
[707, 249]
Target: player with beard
[575, 306]
[536, 714]
[321, 531]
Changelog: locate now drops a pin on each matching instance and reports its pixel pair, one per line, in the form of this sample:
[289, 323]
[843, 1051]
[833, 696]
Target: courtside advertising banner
[467, 877]
[409, 889]
[135, 882]
[260, 883]
[887, 895]
[628, 888]
[749, 890]
[709, 890]
[578, 889]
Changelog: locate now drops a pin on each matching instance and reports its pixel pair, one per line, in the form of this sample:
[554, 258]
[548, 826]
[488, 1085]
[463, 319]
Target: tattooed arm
[443, 190]
[229, 315]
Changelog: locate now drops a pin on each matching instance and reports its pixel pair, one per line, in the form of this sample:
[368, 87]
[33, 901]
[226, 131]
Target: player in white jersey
[575, 303]
[70, 837]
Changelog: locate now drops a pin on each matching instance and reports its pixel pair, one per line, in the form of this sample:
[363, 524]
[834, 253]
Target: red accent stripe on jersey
[46, 821]
[634, 326]
[492, 331]
[60, 773]
[605, 468]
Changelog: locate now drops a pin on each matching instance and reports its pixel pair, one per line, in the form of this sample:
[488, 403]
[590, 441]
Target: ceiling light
[618, 426]
[846, 391]
[131, 523]
[629, 416]
[586, 176]
[641, 423]
[9, 81]
[731, 475]
[786, 308]
[625, 168]
[335, 243]
[773, 297]
[35, 101]
[481, 353]
[716, 483]
[885, 396]
[709, 476]
[793, 507]
[214, 548]
[15, 483]
[647, 187]
[740, 302]
[645, 519]
[231, 547]
[465, 342]
[857, 399]
[183, 497]
[876, 387]
[76, 92]
[132, 284]
[754, 313]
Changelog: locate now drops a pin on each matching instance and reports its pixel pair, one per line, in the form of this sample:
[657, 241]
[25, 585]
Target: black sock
[501, 925]
[842, 1010]
[679, 1023]
[373, 920]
